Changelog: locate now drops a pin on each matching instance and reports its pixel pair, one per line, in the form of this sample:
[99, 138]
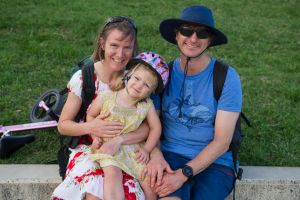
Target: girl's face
[118, 50]
[192, 40]
[141, 84]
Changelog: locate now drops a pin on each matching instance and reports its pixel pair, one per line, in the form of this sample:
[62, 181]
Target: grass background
[41, 40]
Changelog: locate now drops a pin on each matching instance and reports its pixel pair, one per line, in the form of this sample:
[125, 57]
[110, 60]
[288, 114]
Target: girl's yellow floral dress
[131, 119]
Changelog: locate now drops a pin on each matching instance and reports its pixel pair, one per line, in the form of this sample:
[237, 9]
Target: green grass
[41, 40]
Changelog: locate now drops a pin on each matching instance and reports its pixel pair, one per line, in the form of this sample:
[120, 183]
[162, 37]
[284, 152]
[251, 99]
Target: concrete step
[268, 183]
[36, 182]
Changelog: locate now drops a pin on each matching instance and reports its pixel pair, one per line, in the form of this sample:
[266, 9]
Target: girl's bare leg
[150, 195]
[113, 185]
[88, 196]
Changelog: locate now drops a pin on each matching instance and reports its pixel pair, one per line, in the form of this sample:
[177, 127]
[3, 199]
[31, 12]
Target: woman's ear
[102, 43]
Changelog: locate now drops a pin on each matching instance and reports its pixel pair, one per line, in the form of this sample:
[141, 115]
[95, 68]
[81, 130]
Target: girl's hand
[102, 128]
[142, 155]
[111, 147]
[97, 142]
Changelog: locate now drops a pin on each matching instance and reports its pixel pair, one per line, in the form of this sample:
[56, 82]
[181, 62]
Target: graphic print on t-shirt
[187, 112]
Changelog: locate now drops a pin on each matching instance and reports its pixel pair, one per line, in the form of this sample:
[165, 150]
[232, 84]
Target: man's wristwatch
[188, 172]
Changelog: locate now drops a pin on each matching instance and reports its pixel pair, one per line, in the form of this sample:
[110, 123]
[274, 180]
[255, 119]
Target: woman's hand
[111, 147]
[105, 129]
[142, 155]
[153, 171]
[170, 183]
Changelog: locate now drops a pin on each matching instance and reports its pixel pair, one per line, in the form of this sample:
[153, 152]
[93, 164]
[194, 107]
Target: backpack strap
[88, 86]
[219, 77]
[171, 64]
[87, 95]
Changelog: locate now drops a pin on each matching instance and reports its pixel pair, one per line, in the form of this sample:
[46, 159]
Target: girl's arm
[136, 136]
[154, 129]
[142, 153]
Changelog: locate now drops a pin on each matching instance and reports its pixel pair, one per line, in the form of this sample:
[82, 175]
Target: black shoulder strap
[87, 95]
[171, 67]
[219, 77]
[171, 64]
[88, 85]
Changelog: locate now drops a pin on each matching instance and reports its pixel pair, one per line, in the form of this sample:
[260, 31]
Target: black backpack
[87, 94]
[219, 77]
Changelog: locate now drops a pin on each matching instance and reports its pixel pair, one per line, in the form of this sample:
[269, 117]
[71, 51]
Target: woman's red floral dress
[83, 176]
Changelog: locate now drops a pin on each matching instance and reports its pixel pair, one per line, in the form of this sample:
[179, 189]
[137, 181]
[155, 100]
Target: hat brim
[133, 62]
[168, 27]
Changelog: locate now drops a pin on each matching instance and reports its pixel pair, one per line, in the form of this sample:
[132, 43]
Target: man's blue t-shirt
[188, 113]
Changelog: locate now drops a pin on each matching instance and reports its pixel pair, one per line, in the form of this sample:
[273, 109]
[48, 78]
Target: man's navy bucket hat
[194, 15]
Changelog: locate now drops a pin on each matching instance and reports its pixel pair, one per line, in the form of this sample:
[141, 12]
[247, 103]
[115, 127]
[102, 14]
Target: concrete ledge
[36, 182]
[266, 183]
[24, 182]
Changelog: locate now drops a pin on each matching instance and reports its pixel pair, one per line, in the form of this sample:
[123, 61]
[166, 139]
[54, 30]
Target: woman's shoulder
[107, 94]
[75, 83]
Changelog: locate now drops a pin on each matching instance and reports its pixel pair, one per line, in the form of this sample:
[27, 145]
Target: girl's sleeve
[75, 84]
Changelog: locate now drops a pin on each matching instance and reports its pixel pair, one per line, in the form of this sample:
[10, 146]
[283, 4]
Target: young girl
[131, 104]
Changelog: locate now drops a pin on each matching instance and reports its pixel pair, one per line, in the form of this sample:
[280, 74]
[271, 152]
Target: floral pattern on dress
[82, 175]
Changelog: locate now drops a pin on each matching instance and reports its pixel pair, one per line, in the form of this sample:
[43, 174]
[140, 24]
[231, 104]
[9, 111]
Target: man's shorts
[214, 183]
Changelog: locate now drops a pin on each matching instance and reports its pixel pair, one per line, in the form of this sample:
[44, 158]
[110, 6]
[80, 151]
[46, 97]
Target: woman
[116, 45]
[197, 130]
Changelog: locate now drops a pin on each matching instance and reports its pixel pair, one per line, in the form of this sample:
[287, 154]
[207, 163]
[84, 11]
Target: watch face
[187, 171]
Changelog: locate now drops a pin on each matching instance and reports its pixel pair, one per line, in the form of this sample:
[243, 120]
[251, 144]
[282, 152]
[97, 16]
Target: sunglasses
[189, 31]
[116, 19]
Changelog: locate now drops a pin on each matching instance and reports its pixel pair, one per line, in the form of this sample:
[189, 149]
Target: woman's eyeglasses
[189, 31]
[116, 19]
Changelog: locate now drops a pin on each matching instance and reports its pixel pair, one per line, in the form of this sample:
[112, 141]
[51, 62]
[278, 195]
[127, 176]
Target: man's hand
[170, 183]
[153, 171]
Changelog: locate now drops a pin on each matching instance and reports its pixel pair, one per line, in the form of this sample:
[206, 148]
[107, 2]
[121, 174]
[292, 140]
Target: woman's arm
[98, 126]
[134, 137]
[94, 109]
[66, 123]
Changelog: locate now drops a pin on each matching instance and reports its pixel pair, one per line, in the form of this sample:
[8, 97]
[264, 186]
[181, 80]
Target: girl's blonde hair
[120, 82]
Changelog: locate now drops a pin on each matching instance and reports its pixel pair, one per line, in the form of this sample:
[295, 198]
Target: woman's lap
[215, 182]
[83, 176]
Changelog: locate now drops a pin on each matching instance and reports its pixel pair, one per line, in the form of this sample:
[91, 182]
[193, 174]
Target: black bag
[87, 94]
[219, 76]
